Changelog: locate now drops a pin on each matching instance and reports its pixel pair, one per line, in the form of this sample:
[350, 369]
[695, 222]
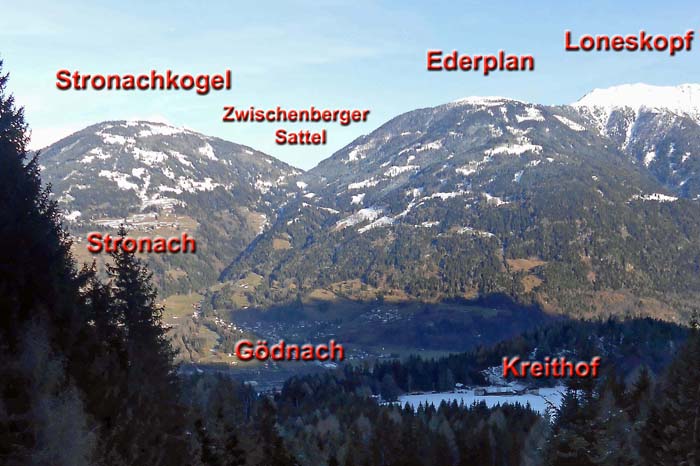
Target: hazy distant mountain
[560, 205]
[162, 179]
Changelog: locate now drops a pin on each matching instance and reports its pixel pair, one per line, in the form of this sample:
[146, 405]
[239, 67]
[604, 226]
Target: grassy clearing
[280, 244]
[519, 265]
[179, 306]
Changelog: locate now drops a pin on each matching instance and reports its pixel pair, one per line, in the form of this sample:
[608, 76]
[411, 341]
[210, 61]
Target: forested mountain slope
[491, 195]
[160, 179]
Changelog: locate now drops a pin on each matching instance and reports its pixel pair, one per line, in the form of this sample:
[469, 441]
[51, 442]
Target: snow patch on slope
[208, 151]
[397, 170]
[514, 149]
[363, 215]
[532, 114]
[120, 179]
[363, 184]
[358, 199]
[649, 157]
[380, 222]
[571, 124]
[658, 197]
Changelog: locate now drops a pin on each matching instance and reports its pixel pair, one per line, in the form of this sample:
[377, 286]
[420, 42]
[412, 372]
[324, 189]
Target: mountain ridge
[681, 98]
[476, 196]
[159, 178]
[487, 180]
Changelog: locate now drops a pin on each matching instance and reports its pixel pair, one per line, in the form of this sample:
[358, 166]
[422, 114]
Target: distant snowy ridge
[683, 99]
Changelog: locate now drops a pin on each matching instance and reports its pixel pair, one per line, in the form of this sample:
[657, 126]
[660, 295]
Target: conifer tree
[41, 320]
[672, 432]
[571, 440]
[233, 453]
[209, 456]
[152, 425]
[274, 453]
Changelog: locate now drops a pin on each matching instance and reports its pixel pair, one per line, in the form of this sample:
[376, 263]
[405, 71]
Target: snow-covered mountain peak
[156, 165]
[683, 99]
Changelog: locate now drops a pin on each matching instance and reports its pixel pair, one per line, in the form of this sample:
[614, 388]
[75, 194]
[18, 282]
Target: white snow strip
[514, 149]
[434, 145]
[380, 222]
[655, 197]
[445, 196]
[164, 188]
[397, 170]
[363, 184]
[468, 169]
[571, 124]
[531, 113]
[363, 215]
[472, 231]
[430, 224]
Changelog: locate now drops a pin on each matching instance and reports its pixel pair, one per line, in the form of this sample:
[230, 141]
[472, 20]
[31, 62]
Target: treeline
[332, 419]
[643, 423]
[635, 418]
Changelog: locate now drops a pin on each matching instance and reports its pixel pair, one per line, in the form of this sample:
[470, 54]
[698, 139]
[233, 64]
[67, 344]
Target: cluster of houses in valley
[490, 390]
[505, 391]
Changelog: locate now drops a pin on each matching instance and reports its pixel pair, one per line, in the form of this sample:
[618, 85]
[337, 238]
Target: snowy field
[538, 402]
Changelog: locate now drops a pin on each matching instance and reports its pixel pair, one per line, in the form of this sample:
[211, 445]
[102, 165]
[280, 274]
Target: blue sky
[335, 54]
